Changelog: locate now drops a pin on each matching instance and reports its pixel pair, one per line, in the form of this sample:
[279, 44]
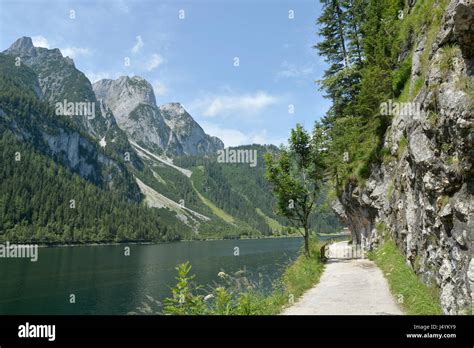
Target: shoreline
[54, 245]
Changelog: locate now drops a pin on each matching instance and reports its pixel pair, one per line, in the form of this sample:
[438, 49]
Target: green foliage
[416, 298]
[35, 194]
[447, 58]
[402, 145]
[304, 272]
[432, 118]
[401, 76]
[296, 175]
[386, 155]
[353, 123]
[236, 295]
[417, 86]
[390, 188]
[442, 202]
[185, 300]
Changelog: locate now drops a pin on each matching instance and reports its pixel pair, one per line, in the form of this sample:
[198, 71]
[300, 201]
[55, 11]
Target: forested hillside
[70, 179]
[400, 139]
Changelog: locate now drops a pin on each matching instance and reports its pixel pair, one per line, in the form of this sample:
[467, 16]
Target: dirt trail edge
[347, 287]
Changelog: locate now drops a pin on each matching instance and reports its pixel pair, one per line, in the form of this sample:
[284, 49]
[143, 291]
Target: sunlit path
[347, 286]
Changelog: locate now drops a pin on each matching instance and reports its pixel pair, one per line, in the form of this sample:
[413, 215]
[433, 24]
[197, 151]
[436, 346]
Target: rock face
[424, 198]
[168, 128]
[187, 132]
[59, 81]
[53, 136]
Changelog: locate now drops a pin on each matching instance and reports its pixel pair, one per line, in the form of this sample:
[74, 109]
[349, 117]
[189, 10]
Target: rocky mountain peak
[173, 109]
[24, 48]
[187, 131]
[168, 128]
[124, 94]
[22, 45]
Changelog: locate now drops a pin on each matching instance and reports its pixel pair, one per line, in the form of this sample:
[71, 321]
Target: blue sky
[192, 59]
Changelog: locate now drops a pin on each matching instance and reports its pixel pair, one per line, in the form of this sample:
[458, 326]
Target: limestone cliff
[422, 193]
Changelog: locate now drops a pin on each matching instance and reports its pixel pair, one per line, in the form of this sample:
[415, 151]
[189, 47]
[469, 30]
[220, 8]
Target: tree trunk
[341, 32]
[306, 242]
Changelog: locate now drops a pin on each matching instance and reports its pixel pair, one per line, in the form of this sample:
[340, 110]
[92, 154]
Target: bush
[401, 76]
[237, 295]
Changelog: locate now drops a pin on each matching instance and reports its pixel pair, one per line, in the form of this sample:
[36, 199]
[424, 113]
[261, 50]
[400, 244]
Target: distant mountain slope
[166, 129]
[244, 193]
[34, 121]
[56, 184]
[188, 132]
[152, 165]
[61, 82]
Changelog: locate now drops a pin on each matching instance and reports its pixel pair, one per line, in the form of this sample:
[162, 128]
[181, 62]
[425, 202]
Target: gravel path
[347, 287]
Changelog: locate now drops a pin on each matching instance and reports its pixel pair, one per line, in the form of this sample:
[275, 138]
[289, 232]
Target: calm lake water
[104, 281]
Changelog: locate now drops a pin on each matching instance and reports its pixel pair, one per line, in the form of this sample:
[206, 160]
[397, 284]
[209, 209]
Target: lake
[105, 281]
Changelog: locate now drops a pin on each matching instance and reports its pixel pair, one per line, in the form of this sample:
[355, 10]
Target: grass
[417, 86]
[402, 145]
[433, 118]
[390, 188]
[231, 298]
[448, 55]
[272, 223]
[415, 297]
[465, 84]
[304, 273]
[196, 180]
[412, 26]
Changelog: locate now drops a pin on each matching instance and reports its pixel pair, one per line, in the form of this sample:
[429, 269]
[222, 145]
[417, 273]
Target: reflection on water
[105, 281]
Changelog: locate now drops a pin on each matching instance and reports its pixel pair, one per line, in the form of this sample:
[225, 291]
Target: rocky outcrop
[55, 136]
[187, 132]
[60, 81]
[423, 197]
[167, 129]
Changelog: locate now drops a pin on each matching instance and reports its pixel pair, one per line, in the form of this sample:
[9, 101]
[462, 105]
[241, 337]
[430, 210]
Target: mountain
[135, 171]
[61, 82]
[57, 184]
[188, 132]
[168, 129]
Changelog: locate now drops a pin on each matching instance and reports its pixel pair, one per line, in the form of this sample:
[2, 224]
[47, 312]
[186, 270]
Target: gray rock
[438, 163]
[167, 129]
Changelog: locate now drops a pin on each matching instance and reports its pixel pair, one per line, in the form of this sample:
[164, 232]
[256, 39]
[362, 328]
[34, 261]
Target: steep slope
[56, 136]
[166, 129]
[57, 184]
[243, 192]
[421, 194]
[60, 80]
[187, 132]
[61, 83]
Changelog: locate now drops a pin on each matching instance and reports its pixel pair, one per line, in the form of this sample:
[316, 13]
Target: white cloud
[138, 45]
[96, 76]
[289, 70]
[225, 104]
[40, 41]
[159, 88]
[234, 137]
[155, 61]
[73, 52]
